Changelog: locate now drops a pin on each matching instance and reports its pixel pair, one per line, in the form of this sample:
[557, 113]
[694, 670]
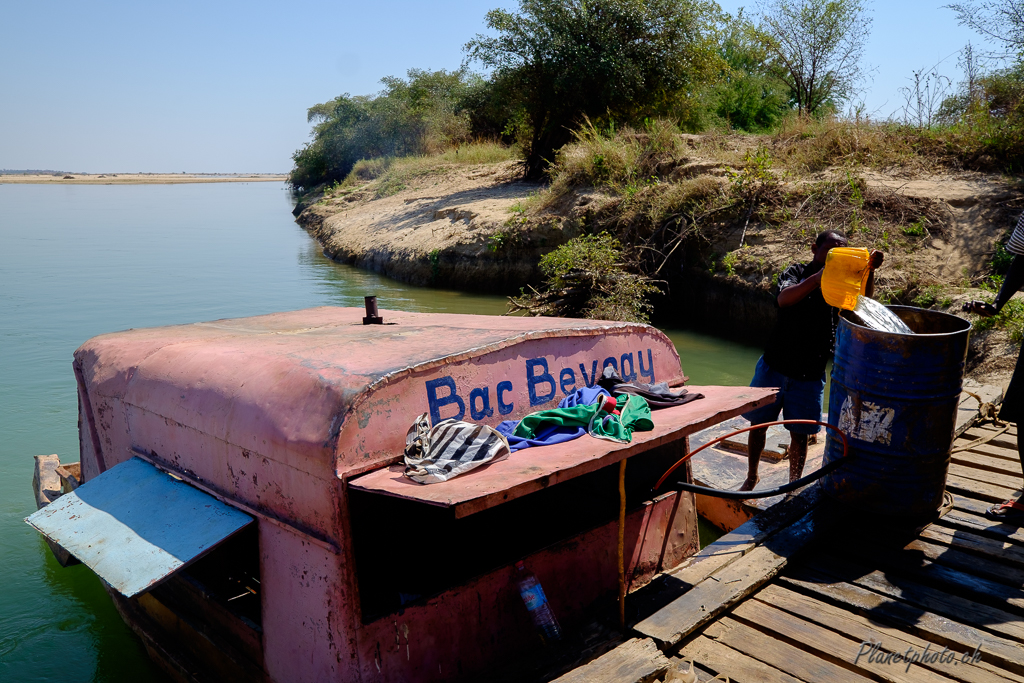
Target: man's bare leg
[797, 455]
[755, 444]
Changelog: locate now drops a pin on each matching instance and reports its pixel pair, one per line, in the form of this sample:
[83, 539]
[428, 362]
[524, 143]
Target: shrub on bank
[421, 114]
[393, 174]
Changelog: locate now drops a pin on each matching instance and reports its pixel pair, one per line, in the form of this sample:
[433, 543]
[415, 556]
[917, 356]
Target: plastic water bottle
[538, 606]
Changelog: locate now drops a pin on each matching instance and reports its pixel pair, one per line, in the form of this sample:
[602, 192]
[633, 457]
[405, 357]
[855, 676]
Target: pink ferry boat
[241, 493]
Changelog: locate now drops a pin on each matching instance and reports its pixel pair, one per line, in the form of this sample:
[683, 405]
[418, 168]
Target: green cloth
[635, 416]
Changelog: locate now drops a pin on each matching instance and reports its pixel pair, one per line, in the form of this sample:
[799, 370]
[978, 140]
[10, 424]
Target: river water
[80, 260]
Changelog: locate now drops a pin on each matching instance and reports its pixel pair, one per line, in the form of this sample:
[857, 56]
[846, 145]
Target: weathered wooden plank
[918, 566]
[863, 630]
[992, 427]
[960, 518]
[1007, 440]
[941, 602]
[1000, 652]
[981, 461]
[991, 451]
[635, 661]
[745, 538]
[736, 665]
[967, 563]
[736, 580]
[834, 646]
[986, 476]
[779, 654]
[980, 490]
[999, 551]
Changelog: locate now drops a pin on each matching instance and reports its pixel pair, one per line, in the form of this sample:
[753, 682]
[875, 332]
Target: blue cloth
[547, 437]
[556, 434]
[583, 397]
[798, 400]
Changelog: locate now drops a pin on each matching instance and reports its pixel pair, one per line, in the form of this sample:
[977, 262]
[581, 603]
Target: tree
[749, 97]
[1001, 20]
[603, 60]
[422, 113]
[816, 48]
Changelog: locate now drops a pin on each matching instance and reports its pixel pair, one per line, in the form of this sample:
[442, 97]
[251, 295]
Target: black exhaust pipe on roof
[372, 317]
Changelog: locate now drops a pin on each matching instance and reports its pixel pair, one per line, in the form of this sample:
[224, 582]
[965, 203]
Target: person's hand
[875, 260]
[980, 308]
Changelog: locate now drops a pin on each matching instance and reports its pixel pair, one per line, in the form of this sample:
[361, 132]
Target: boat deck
[798, 592]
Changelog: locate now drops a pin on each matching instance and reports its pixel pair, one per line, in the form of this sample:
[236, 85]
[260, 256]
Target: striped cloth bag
[1016, 243]
[449, 448]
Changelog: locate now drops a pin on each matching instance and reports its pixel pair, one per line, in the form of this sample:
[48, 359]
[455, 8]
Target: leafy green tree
[750, 97]
[815, 48]
[422, 113]
[606, 60]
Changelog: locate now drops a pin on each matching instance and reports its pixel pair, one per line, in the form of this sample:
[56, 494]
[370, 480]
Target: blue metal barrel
[895, 396]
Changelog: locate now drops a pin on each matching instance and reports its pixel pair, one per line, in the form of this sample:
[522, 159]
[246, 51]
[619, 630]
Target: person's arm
[874, 262]
[794, 294]
[1011, 285]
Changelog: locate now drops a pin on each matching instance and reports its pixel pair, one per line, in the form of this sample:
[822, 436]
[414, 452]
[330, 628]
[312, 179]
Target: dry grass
[390, 175]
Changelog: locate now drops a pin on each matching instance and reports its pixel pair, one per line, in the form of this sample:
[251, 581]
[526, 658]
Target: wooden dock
[808, 592]
[725, 466]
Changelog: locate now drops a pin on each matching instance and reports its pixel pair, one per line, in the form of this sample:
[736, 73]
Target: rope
[987, 412]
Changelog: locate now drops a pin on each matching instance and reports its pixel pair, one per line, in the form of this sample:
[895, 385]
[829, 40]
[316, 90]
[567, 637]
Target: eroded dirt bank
[443, 229]
[480, 228]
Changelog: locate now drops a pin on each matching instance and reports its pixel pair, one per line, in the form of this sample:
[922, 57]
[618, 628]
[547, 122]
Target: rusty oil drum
[895, 396]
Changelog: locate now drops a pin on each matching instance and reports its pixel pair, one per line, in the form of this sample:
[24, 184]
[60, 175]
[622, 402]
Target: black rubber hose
[767, 493]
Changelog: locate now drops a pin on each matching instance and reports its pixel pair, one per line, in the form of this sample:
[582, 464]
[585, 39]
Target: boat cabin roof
[316, 386]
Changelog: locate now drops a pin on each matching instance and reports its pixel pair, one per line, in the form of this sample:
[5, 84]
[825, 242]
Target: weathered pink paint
[278, 412]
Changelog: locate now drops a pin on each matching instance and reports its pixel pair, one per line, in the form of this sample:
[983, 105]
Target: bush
[985, 121]
[749, 98]
[422, 114]
[616, 159]
[587, 277]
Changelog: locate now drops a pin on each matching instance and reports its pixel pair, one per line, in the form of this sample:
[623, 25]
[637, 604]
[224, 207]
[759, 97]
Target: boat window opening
[407, 551]
[230, 575]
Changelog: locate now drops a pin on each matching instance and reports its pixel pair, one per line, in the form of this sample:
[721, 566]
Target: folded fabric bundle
[657, 395]
[634, 415]
[558, 431]
[450, 448]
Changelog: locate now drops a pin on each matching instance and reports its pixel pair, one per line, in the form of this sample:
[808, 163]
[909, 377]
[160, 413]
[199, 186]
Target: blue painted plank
[134, 525]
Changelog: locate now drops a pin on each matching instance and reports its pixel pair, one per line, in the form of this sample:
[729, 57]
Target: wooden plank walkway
[804, 593]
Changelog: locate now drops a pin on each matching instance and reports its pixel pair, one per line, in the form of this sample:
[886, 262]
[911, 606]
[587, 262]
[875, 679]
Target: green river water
[80, 260]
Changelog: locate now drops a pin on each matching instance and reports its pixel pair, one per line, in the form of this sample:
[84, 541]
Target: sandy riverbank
[139, 178]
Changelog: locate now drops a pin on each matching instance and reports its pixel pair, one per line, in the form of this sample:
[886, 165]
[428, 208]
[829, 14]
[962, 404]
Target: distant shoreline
[138, 178]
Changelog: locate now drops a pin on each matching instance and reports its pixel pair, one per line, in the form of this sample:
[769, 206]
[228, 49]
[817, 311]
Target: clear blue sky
[224, 86]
